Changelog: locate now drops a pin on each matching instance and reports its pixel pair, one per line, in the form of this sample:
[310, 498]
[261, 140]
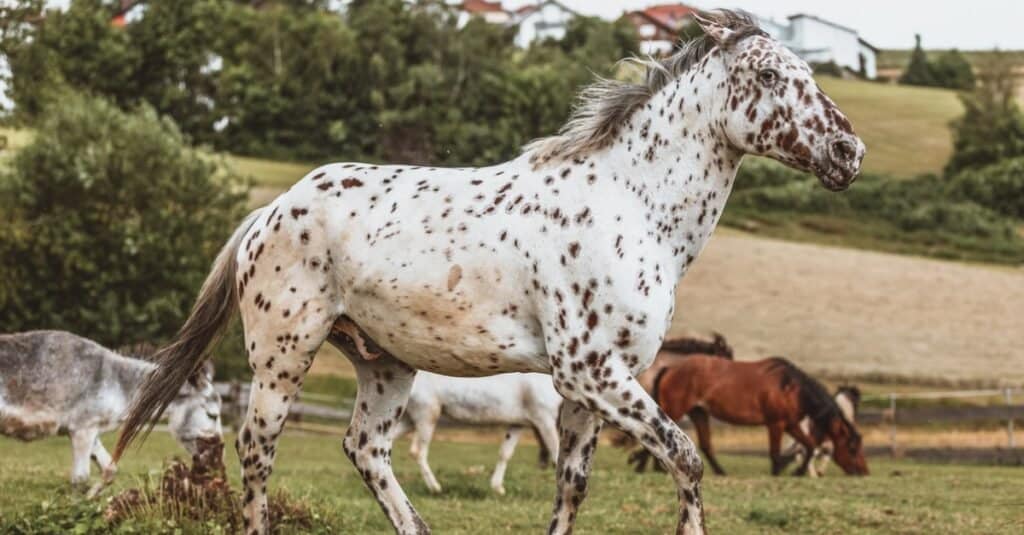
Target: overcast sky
[975, 24]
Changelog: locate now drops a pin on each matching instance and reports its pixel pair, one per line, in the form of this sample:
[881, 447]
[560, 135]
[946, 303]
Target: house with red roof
[658, 26]
[490, 11]
[813, 38]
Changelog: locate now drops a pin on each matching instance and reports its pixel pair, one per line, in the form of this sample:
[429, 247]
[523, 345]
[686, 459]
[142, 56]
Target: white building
[6, 104]
[545, 20]
[820, 41]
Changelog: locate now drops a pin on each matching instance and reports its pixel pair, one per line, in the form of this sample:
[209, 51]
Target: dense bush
[968, 207]
[110, 224]
[999, 187]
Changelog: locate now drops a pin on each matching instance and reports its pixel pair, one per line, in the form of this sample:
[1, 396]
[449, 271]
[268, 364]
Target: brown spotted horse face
[774, 108]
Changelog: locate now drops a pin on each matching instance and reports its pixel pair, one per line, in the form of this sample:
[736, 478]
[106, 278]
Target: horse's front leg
[810, 450]
[598, 378]
[384, 386]
[578, 432]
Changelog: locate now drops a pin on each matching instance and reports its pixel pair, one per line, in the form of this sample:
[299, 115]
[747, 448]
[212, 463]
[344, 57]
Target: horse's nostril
[843, 151]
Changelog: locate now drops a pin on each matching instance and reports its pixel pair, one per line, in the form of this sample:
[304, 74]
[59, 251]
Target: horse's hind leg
[384, 387]
[702, 423]
[508, 447]
[546, 428]
[283, 332]
[424, 434]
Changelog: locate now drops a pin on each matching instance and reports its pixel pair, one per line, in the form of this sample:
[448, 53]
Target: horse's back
[50, 381]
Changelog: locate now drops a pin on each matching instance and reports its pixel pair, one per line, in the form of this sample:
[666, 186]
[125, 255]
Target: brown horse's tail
[656, 386]
[179, 359]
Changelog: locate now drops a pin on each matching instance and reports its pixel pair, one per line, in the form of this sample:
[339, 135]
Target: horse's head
[774, 108]
[195, 412]
[848, 450]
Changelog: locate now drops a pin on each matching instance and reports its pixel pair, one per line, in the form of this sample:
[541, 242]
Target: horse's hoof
[499, 490]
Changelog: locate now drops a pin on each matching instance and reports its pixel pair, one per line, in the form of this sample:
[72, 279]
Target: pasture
[899, 496]
[905, 128]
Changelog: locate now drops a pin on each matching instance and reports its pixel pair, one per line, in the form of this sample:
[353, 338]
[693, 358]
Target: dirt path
[850, 312]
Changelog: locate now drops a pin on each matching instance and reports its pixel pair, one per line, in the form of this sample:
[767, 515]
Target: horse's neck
[673, 155]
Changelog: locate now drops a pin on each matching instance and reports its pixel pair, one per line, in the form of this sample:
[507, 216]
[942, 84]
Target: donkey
[56, 382]
[563, 261]
[847, 398]
[515, 400]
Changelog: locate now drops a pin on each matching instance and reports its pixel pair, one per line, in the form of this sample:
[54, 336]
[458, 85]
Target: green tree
[953, 71]
[992, 127]
[110, 224]
[918, 71]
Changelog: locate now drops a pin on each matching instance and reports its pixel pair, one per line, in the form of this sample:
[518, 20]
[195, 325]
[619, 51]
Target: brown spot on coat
[454, 276]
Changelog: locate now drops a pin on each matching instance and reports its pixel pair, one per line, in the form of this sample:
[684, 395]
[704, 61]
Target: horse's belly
[27, 427]
[451, 335]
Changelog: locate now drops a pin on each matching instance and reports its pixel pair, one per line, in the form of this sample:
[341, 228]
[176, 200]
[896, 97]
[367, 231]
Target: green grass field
[906, 129]
[899, 497]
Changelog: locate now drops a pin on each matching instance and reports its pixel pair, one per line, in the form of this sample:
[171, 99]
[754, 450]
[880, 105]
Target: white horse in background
[54, 382]
[516, 400]
[848, 399]
[564, 260]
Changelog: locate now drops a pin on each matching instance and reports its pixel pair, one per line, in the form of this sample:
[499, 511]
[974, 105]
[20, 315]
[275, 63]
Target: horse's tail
[656, 386]
[180, 358]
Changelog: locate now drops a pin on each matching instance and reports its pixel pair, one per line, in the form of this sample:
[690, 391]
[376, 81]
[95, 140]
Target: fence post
[1009, 418]
[892, 425]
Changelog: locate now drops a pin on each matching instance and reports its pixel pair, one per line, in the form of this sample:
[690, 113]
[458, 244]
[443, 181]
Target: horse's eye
[768, 77]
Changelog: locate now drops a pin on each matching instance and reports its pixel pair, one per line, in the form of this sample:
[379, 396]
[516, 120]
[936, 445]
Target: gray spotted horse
[563, 261]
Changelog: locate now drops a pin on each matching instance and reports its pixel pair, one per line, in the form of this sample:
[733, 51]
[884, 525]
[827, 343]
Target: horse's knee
[691, 465]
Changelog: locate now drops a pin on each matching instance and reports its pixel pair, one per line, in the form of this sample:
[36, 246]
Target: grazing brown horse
[771, 392]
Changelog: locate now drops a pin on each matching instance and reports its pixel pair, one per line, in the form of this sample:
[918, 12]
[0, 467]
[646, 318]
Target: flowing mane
[603, 106]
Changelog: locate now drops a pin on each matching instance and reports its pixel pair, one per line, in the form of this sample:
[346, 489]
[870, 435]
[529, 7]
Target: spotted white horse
[516, 400]
[562, 261]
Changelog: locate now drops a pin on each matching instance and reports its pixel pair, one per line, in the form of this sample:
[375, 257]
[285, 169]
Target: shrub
[762, 172]
[829, 68]
[992, 127]
[998, 187]
[965, 219]
[111, 223]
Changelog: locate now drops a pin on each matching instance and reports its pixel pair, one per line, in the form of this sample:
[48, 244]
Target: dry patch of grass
[850, 313]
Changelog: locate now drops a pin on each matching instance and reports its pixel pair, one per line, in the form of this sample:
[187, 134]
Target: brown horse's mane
[717, 347]
[815, 401]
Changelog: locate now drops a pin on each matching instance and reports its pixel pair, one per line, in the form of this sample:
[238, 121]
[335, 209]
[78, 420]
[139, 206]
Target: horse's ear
[203, 375]
[717, 32]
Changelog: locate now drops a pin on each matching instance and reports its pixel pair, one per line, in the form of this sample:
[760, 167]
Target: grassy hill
[899, 58]
[905, 128]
